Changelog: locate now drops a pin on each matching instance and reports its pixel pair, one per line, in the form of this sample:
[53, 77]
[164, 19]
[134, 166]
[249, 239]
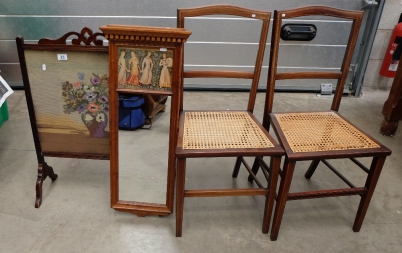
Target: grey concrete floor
[76, 216]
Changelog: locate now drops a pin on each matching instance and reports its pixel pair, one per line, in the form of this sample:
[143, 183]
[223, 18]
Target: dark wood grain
[145, 34]
[141, 209]
[371, 182]
[85, 37]
[354, 33]
[28, 95]
[313, 166]
[77, 155]
[144, 37]
[180, 193]
[154, 104]
[392, 109]
[182, 154]
[270, 198]
[236, 168]
[270, 119]
[308, 75]
[44, 170]
[218, 74]
[86, 41]
[287, 174]
[326, 193]
[225, 192]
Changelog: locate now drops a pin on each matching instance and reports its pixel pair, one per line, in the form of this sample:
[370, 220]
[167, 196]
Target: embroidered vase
[96, 123]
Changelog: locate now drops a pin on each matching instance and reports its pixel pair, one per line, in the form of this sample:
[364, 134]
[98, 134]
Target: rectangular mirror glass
[145, 67]
[143, 155]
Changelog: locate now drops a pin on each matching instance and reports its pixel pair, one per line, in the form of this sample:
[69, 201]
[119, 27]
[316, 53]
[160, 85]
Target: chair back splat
[279, 16]
[231, 10]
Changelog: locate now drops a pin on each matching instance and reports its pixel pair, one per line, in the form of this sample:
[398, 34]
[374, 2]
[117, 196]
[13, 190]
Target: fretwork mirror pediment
[144, 61]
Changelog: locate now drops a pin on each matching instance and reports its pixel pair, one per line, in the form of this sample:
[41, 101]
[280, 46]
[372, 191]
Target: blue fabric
[131, 112]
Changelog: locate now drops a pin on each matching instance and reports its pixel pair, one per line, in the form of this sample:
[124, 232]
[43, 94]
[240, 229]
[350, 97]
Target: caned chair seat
[321, 131]
[227, 133]
[319, 136]
[222, 130]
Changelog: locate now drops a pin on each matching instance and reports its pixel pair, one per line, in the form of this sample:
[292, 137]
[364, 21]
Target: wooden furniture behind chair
[226, 133]
[153, 105]
[320, 135]
[392, 109]
[58, 131]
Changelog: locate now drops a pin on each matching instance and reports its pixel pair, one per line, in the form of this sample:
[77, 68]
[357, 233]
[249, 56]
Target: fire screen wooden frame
[41, 66]
[129, 39]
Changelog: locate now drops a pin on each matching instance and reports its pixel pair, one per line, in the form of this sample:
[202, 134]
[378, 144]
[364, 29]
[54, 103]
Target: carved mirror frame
[157, 38]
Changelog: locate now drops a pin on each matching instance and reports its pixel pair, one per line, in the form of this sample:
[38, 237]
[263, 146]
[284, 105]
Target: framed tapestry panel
[71, 101]
[145, 68]
[66, 87]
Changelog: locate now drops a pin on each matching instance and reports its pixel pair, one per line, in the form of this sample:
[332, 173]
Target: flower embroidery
[95, 80]
[90, 96]
[93, 108]
[105, 107]
[103, 99]
[100, 117]
[83, 96]
[81, 76]
[81, 108]
[77, 85]
[90, 99]
[88, 88]
[88, 118]
[66, 86]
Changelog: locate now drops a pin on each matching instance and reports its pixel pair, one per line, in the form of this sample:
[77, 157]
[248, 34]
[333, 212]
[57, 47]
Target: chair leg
[270, 199]
[254, 169]
[311, 169]
[287, 174]
[237, 167]
[371, 182]
[181, 177]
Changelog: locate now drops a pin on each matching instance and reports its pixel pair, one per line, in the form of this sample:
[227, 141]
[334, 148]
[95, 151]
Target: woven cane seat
[222, 130]
[321, 131]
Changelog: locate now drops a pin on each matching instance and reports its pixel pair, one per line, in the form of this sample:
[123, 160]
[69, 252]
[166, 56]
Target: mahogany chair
[320, 135]
[226, 133]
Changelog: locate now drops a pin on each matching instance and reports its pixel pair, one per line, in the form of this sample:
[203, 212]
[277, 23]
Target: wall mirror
[145, 63]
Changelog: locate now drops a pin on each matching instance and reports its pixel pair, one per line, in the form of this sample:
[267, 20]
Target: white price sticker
[393, 67]
[62, 57]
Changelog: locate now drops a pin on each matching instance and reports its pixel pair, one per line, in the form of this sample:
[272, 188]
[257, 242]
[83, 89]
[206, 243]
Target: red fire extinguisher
[389, 65]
